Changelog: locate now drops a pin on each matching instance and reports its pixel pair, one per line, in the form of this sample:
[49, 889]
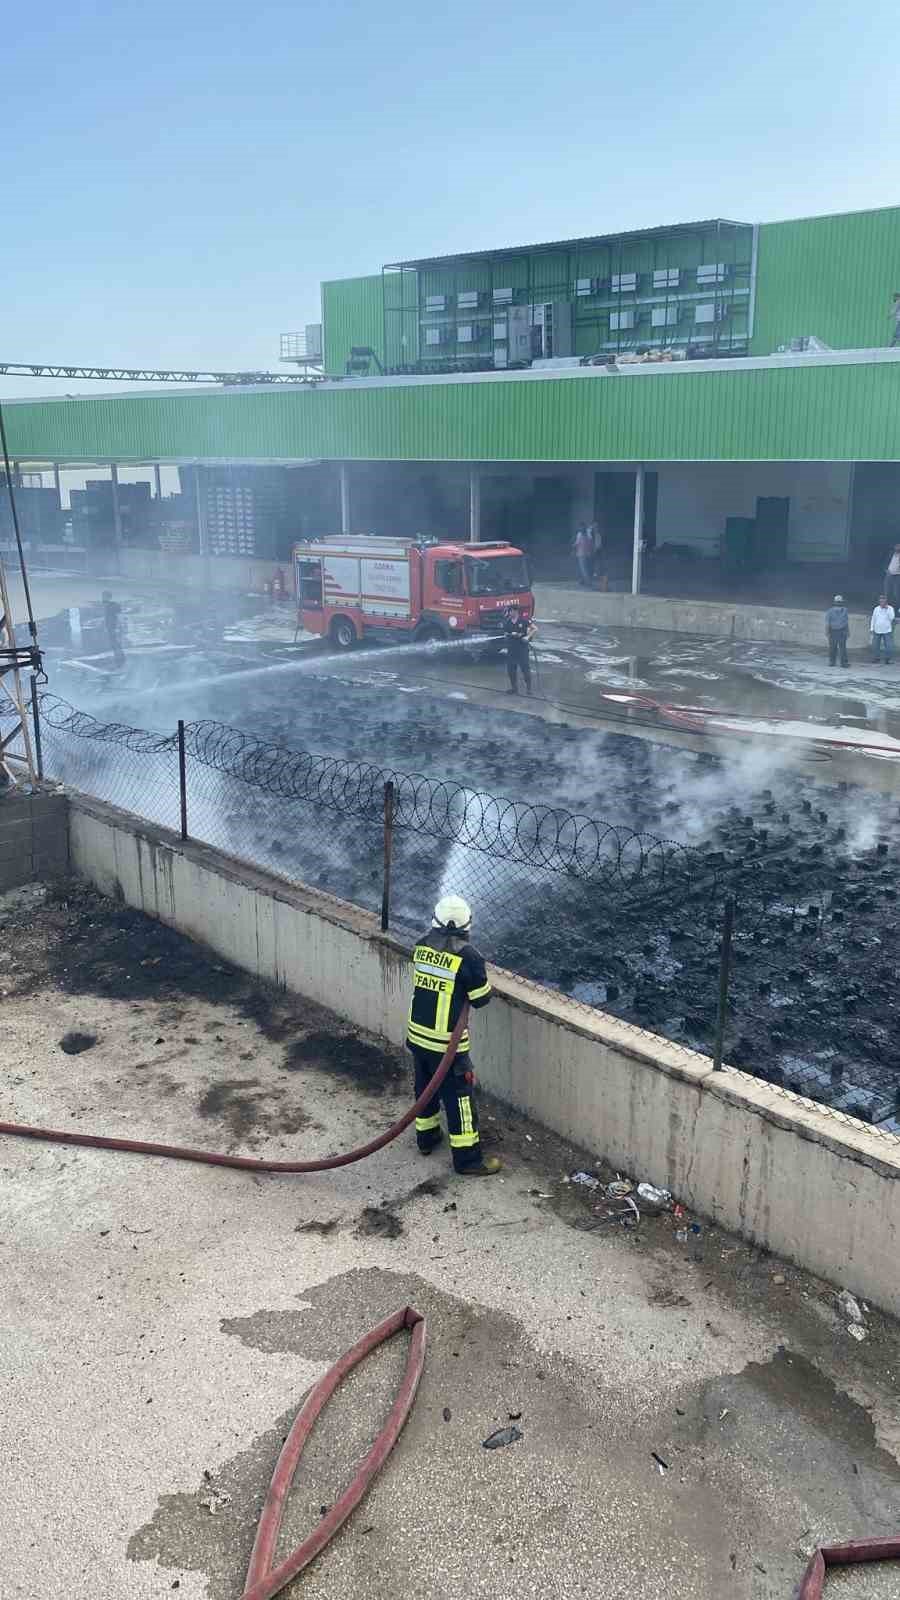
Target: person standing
[584, 556]
[112, 617]
[599, 573]
[895, 313]
[881, 628]
[518, 632]
[448, 973]
[892, 578]
[837, 628]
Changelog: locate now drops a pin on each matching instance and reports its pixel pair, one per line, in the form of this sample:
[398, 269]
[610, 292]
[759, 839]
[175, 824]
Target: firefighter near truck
[408, 590]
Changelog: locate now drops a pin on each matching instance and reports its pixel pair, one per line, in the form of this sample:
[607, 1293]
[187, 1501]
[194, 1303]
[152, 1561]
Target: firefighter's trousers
[460, 1109]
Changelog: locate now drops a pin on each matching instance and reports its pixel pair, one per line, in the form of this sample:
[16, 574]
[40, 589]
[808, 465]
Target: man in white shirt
[892, 583]
[882, 629]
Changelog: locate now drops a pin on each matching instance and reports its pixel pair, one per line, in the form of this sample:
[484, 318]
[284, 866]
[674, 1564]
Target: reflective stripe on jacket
[442, 980]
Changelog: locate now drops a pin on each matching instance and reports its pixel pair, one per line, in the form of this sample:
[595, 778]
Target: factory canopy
[586, 243]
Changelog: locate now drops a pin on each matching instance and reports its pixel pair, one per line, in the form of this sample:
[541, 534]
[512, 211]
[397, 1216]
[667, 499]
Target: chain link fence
[613, 918]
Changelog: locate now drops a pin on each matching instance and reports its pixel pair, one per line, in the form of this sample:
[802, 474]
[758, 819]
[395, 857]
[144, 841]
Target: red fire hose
[210, 1158]
[844, 1555]
[264, 1580]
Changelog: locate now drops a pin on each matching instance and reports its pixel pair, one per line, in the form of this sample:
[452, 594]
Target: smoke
[698, 791]
[863, 831]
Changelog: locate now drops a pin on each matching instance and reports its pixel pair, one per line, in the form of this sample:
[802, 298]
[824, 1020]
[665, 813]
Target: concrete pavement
[163, 1323]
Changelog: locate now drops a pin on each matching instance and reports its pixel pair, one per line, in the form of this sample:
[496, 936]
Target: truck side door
[309, 585]
[448, 584]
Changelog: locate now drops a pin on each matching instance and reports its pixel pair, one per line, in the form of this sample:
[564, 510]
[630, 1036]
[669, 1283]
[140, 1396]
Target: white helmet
[453, 914]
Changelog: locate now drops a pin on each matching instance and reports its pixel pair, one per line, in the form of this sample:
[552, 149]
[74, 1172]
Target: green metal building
[714, 387]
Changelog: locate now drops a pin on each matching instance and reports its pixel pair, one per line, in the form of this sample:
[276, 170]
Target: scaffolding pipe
[637, 546]
[344, 472]
[474, 505]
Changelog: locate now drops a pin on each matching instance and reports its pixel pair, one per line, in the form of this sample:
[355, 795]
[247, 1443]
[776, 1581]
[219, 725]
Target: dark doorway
[548, 544]
[771, 537]
[874, 522]
[614, 511]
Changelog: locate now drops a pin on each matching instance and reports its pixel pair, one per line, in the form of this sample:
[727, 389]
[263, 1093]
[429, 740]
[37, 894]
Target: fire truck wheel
[429, 636]
[342, 633]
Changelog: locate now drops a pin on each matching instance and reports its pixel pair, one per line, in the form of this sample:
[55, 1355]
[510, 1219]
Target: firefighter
[518, 632]
[447, 972]
[112, 619]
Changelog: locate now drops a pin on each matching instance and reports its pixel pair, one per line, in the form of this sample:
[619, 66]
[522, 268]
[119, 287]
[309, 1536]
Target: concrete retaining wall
[712, 619]
[818, 1189]
[34, 838]
[203, 573]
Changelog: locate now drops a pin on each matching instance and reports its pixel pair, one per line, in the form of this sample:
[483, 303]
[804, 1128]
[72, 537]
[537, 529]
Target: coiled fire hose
[264, 1580]
[210, 1158]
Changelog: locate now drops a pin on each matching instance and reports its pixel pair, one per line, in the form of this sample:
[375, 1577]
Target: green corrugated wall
[830, 276]
[352, 313]
[831, 413]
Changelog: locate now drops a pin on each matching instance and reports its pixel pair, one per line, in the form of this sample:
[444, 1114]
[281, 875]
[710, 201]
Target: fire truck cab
[351, 588]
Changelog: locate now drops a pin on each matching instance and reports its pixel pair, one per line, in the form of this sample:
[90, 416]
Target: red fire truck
[350, 588]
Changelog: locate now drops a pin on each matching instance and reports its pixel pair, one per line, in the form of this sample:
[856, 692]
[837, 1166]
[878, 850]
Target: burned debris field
[812, 865]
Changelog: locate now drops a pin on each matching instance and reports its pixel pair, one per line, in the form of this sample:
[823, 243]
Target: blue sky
[179, 178]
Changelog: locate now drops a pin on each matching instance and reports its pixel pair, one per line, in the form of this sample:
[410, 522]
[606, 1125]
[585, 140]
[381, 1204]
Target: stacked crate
[245, 511]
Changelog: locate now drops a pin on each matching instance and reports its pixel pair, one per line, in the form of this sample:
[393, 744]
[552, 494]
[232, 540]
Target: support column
[474, 505]
[637, 548]
[56, 484]
[157, 480]
[117, 510]
[200, 504]
[344, 471]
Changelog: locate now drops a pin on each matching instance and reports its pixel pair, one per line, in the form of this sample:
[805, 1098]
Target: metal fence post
[388, 853]
[36, 723]
[182, 779]
[724, 971]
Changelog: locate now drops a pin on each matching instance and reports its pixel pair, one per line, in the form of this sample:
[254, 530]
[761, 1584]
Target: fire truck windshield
[496, 574]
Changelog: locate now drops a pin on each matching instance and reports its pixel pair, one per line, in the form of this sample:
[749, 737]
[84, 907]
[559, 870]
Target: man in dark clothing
[518, 633]
[448, 972]
[112, 616]
[837, 627]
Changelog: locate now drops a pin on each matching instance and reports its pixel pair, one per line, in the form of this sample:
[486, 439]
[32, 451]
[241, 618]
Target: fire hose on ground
[263, 1579]
[212, 1158]
[844, 1555]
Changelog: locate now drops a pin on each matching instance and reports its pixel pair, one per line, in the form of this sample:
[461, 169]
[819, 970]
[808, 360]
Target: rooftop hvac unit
[435, 302]
[712, 272]
[624, 282]
[467, 300]
[666, 277]
[502, 297]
